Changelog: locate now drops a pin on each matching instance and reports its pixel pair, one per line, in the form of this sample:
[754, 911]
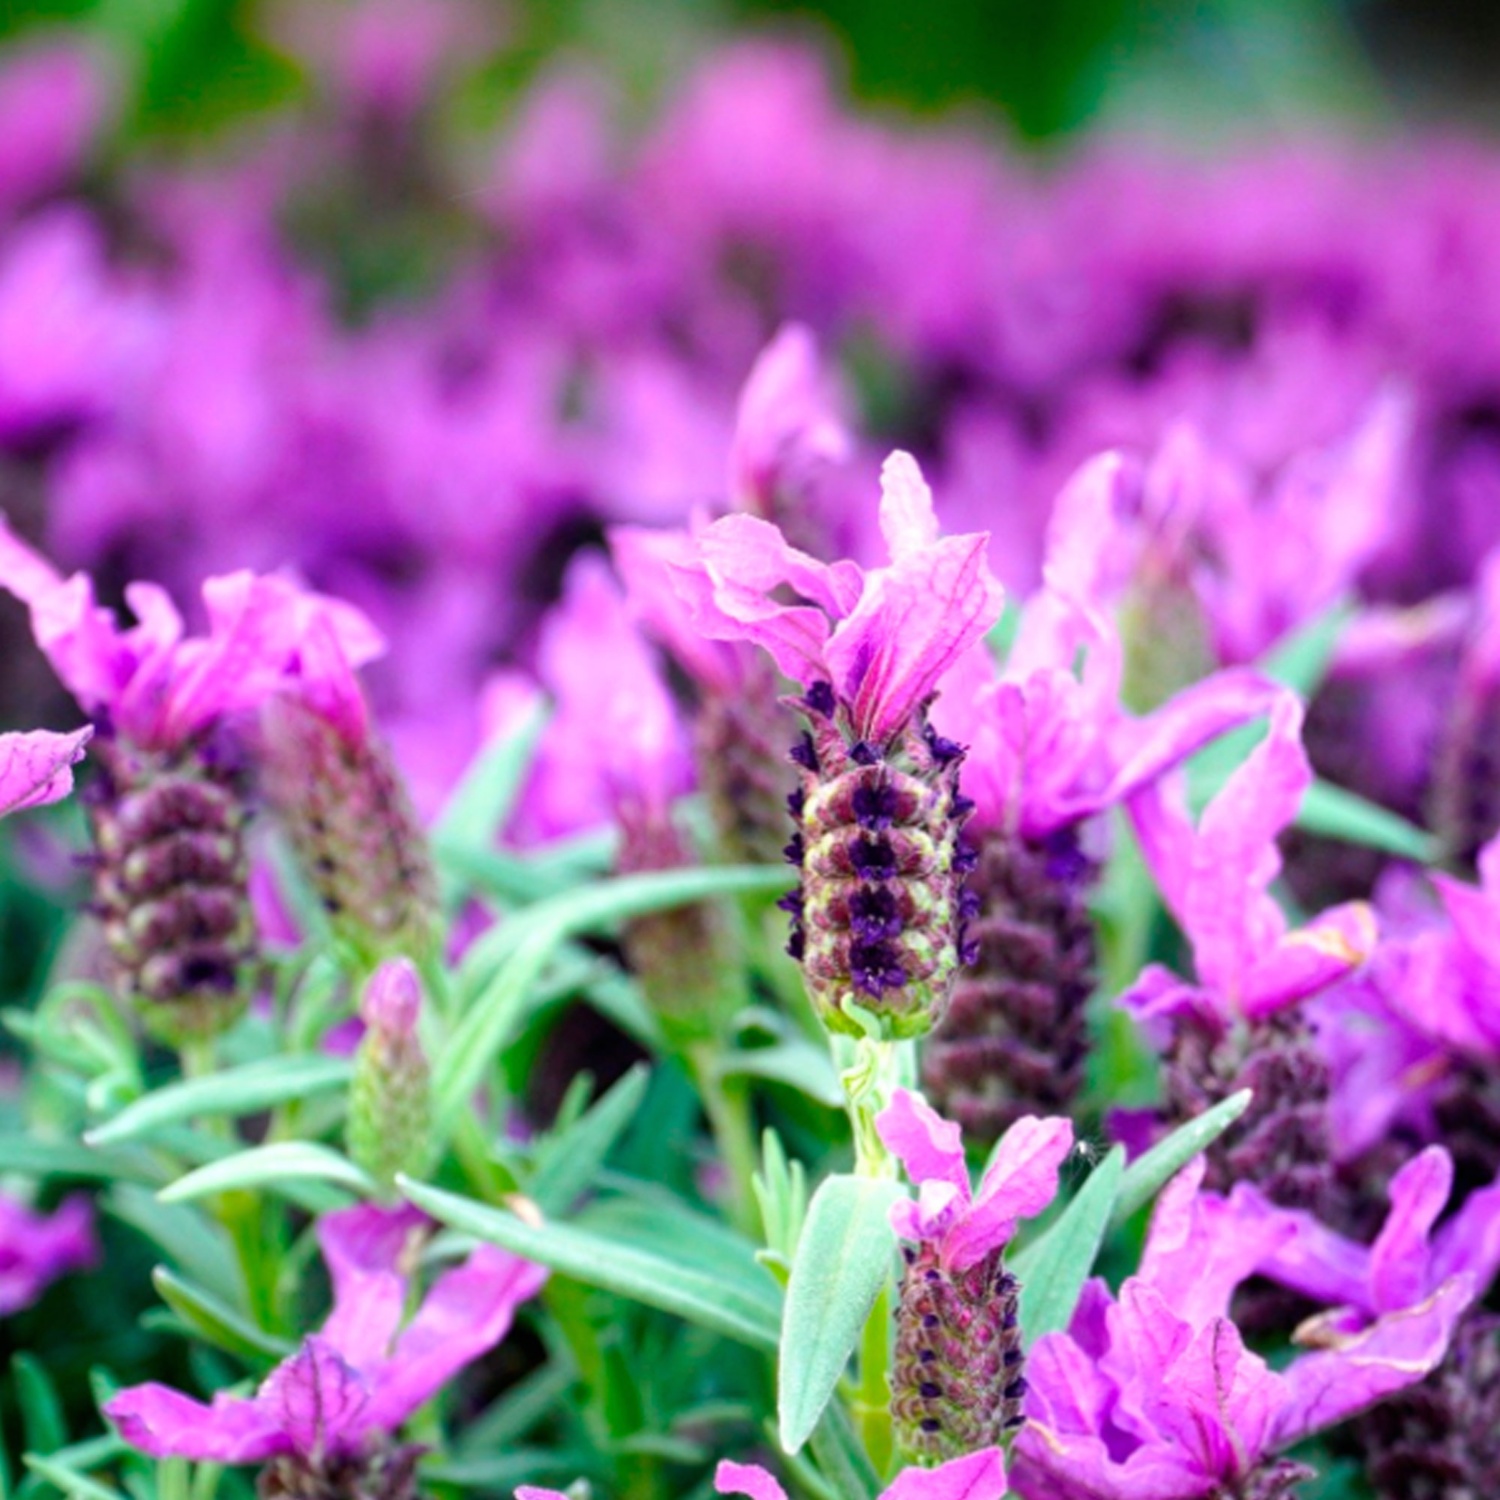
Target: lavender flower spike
[37, 767]
[326, 1417]
[957, 1383]
[878, 920]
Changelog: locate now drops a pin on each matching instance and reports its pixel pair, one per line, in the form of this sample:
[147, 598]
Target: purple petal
[1158, 1000]
[166, 1424]
[1470, 1240]
[746, 1479]
[1399, 1349]
[907, 520]
[928, 1146]
[975, 1476]
[36, 1248]
[467, 1312]
[369, 1252]
[1020, 1181]
[319, 1401]
[1399, 1258]
[36, 767]
[1310, 959]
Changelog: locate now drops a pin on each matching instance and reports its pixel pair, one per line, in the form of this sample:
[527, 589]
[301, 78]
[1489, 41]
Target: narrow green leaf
[70, 1481]
[795, 1062]
[531, 937]
[270, 1166]
[501, 1473]
[1053, 1269]
[1301, 659]
[192, 1241]
[1340, 814]
[216, 1321]
[1145, 1177]
[42, 1158]
[843, 1259]
[566, 1164]
[41, 1409]
[744, 1309]
[237, 1091]
[841, 1456]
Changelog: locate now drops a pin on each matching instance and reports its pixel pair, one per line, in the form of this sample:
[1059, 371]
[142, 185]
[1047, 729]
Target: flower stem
[727, 1105]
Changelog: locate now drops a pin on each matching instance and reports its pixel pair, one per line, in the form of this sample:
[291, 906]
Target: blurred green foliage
[1048, 66]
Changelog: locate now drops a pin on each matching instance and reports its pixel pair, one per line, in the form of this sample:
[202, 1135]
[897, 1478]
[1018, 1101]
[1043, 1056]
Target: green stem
[872, 1400]
[726, 1102]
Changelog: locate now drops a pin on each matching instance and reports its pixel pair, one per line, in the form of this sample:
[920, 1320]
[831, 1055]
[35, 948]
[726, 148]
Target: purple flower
[1216, 880]
[883, 638]
[977, 1476]
[1020, 1181]
[36, 1249]
[37, 767]
[1050, 745]
[351, 1386]
[1154, 1396]
[155, 688]
[52, 99]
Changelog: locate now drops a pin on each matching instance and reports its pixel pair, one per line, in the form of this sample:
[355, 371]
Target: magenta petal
[1020, 1181]
[1399, 1258]
[928, 1146]
[36, 767]
[318, 1399]
[746, 1479]
[975, 1476]
[1470, 1240]
[907, 520]
[1221, 1402]
[368, 1251]
[466, 1313]
[1397, 1350]
[167, 1424]
[1309, 959]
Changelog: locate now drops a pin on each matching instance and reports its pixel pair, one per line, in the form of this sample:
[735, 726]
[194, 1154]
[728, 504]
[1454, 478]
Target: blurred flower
[36, 1249]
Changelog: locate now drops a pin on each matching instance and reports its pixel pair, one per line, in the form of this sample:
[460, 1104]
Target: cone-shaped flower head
[878, 919]
[1154, 1396]
[390, 1097]
[957, 1383]
[36, 1249]
[37, 767]
[330, 1412]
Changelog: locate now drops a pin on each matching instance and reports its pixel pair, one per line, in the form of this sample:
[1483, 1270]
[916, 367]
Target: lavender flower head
[957, 1382]
[1154, 1396]
[877, 922]
[330, 1412]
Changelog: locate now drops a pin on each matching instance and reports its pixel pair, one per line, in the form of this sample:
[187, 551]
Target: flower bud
[389, 1128]
[352, 827]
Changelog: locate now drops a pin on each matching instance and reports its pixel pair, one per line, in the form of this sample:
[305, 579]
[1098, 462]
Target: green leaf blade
[1145, 1176]
[843, 1259]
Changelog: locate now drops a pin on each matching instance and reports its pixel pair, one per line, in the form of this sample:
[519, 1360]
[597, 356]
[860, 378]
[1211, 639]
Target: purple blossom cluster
[1079, 589]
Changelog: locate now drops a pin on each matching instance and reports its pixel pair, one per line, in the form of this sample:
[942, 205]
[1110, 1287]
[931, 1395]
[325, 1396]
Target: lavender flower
[1154, 1396]
[390, 1097]
[957, 1382]
[328, 1415]
[877, 919]
[36, 1249]
[1239, 1025]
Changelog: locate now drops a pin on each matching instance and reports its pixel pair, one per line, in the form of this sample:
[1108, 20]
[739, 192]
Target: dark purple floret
[796, 802]
[875, 806]
[875, 968]
[804, 754]
[820, 699]
[960, 807]
[943, 751]
[863, 753]
[965, 859]
[796, 943]
[791, 902]
[873, 859]
[794, 852]
[874, 913]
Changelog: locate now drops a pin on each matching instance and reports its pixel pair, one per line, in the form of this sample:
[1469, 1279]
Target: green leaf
[530, 939]
[217, 1322]
[1300, 660]
[41, 1409]
[1144, 1178]
[841, 1456]
[478, 808]
[70, 1481]
[42, 1158]
[1339, 814]
[744, 1308]
[566, 1164]
[270, 1166]
[1053, 1268]
[843, 1259]
[194, 1242]
[795, 1062]
[237, 1091]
